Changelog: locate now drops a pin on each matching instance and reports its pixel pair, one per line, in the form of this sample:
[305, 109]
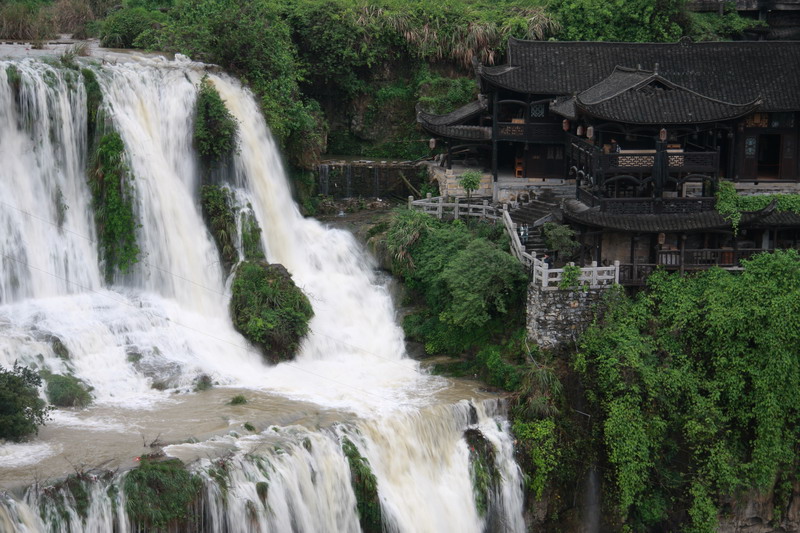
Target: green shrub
[159, 494]
[239, 399]
[122, 27]
[560, 238]
[67, 391]
[21, 409]
[269, 309]
[537, 440]
[214, 126]
[251, 237]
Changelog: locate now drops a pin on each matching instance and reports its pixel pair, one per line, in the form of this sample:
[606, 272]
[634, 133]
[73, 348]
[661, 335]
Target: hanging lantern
[580, 131]
[662, 135]
[565, 125]
[590, 132]
[432, 143]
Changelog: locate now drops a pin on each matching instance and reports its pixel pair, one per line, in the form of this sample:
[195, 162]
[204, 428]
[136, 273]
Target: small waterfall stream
[142, 341]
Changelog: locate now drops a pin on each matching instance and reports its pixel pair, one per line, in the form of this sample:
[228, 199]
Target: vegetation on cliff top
[471, 286]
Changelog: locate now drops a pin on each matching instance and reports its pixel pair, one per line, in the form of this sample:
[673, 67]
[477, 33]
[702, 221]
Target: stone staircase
[526, 215]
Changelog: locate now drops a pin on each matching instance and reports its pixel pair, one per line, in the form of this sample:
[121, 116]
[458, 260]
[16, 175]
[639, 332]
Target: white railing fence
[591, 277]
[438, 207]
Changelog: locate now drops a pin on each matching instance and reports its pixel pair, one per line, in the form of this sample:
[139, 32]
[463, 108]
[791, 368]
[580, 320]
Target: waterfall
[144, 338]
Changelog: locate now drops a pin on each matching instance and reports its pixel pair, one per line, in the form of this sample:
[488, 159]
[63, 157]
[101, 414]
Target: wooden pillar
[683, 249]
[494, 136]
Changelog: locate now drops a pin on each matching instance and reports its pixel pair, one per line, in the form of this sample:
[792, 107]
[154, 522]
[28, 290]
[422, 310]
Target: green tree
[21, 409]
[470, 181]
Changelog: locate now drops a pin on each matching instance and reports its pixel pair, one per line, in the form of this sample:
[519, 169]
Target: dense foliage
[112, 199]
[697, 385]
[560, 238]
[269, 309]
[21, 409]
[214, 126]
[731, 205]
[469, 285]
[159, 494]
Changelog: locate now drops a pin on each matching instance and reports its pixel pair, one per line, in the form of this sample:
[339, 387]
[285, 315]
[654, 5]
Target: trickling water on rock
[144, 340]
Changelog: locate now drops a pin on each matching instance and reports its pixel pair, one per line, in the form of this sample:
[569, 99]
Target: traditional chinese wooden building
[646, 131]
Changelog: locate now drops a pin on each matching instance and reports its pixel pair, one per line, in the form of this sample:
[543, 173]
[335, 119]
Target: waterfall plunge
[170, 312]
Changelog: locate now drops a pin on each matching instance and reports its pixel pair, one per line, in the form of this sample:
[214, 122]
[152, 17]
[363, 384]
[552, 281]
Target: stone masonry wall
[559, 316]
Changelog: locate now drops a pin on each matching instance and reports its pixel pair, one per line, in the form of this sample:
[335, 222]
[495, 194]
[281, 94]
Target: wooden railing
[705, 257]
[688, 260]
[653, 206]
[438, 207]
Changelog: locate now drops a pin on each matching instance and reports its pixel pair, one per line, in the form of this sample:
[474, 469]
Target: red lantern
[565, 125]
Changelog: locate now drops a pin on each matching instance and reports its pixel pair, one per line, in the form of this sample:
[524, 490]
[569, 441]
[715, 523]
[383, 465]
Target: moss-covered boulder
[483, 469]
[67, 391]
[269, 309]
[365, 487]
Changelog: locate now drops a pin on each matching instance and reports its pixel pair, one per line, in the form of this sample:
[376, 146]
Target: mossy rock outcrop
[269, 309]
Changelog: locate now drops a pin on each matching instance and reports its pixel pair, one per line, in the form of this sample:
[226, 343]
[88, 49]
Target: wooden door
[788, 161]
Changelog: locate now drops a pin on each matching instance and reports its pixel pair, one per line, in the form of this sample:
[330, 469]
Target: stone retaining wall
[560, 316]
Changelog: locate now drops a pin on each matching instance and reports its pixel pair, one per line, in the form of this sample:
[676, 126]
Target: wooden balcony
[686, 261]
[590, 162]
[533, 132]
[648, 206]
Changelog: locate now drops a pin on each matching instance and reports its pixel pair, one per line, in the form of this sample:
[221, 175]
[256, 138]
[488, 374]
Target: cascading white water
[167, 321]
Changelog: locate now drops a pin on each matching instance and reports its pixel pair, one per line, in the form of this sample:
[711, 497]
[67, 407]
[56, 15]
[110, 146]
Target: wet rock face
[163, 373]
[760, 513]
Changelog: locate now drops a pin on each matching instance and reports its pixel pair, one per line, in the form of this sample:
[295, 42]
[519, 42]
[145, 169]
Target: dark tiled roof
[737, 72]
[467, 133]
[564, 106]
[646, 97]
[459, 116]
[452, 124]
[707, 220]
